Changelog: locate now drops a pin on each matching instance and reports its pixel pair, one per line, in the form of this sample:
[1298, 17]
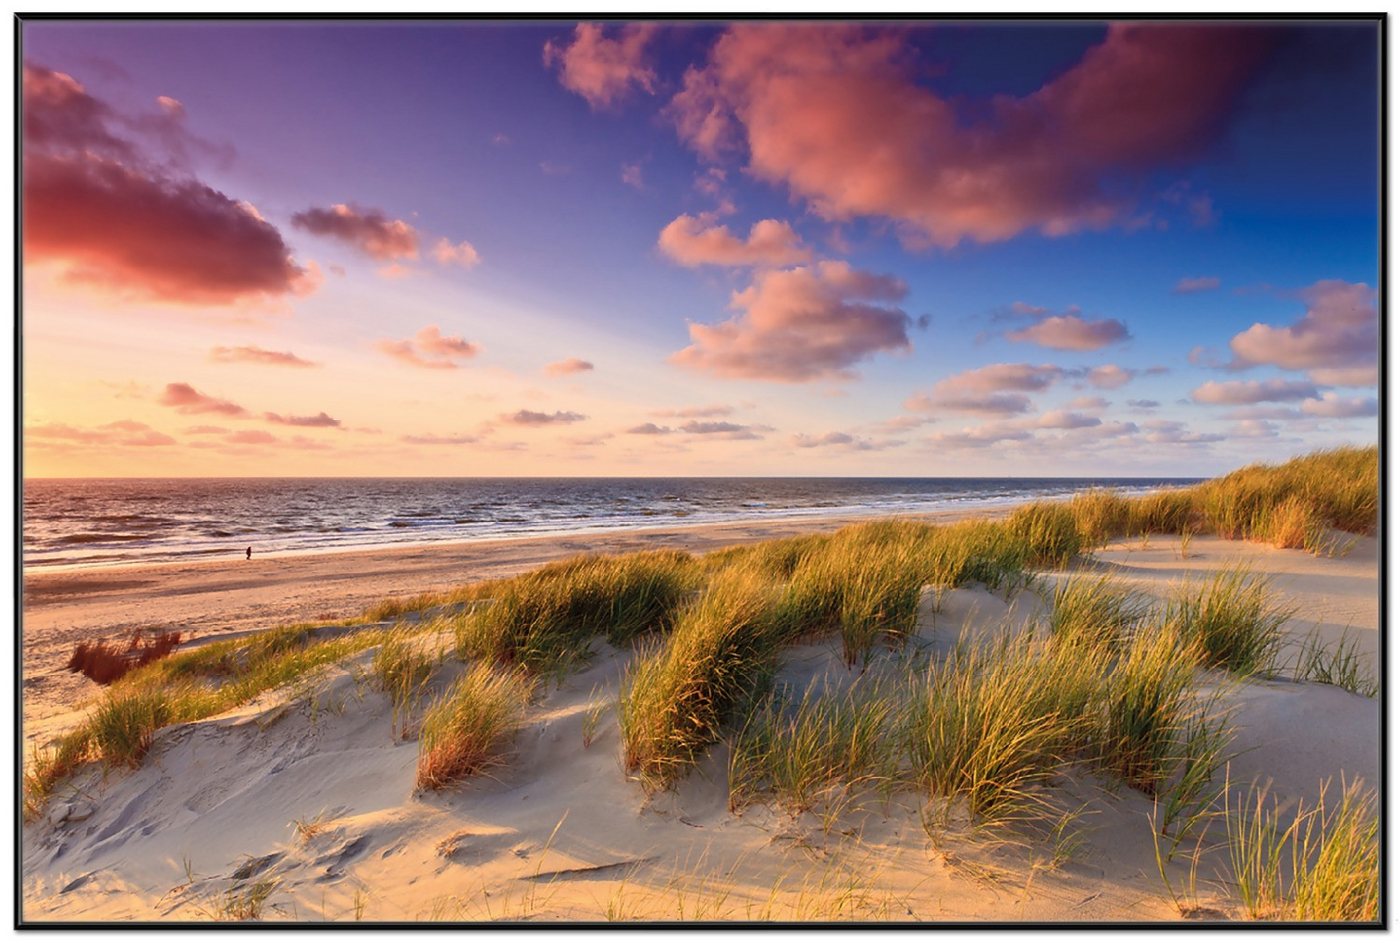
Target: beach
[218, 598]
[309, 799]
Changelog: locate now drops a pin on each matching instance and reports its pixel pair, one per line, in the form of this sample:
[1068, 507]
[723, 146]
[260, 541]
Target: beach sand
[220, 598]
[559, 831]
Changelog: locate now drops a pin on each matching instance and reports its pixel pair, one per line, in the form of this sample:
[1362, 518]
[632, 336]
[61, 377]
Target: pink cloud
[320, 420]
[842, 441]
[111, 216]
[438, 439]
[369, 231]
[1242, 392]
[650, 428]
[561, 368]
[723, 430]
[123, 433]
[836, 114]
[1109, 376]
[530, 417]
[1188, 286]
[1171, 431]
[1064, 419]
[802, 324]
[430, 349]
[1072, 332]
[771, 243]
[251, 437]
[463, 254]
[1333, 406]
[189, 401]
[604, 70]
[997, 389]
[979, 437]
[694, 412]
[632, 176]
[272, 358]
[1336, 341]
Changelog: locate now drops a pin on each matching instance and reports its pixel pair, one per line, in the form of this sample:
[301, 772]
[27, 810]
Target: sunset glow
[663, 249]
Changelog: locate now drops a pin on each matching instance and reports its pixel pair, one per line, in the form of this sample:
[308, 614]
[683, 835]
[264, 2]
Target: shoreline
[816, 519]
[212, 598]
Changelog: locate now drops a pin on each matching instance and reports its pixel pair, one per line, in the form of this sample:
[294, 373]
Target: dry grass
[679, 698]
[467, 730]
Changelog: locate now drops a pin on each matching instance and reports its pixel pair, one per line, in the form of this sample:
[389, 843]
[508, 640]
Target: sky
[642, 248]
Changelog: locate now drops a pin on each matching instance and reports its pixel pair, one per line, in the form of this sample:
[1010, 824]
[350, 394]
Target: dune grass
[713, 626]
[544, 620]
[1233, 620]
[1146, 702]
[1096, 611]
[718, 659]
[1047, 532]
[1290, 505]
[797, 749]
[1341, 665]
[467, 730]
[1320, 864]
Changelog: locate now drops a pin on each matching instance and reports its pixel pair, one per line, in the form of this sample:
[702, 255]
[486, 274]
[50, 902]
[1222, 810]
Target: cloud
[1336, 340]
[1066, 330]
[1109, 376]
[802, 324]
[529, 417]
[123, 433]
[206, 430]
[1241, 392]
[272, 358]
[462, 253]
[1087, 402]
[604, 70]
[842, 440]
[1165, 431]
[694, 412]
[997, 389]
[109, 215]
[1063, 419]
[251, 437]
[189, 401]
[430, 349]
[979, 437]
[562, 368]
[836, 114]
[1253, 429]
[1332, 406]
[1070, 332]
[369, 231]
[1143, 403]
[320, 420]
[723, 430]
[771, 243]
[650, 428]
[438, 439]
[632, 176]
[1190, 286]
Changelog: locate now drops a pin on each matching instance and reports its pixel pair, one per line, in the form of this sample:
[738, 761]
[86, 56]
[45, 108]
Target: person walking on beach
[250, 553]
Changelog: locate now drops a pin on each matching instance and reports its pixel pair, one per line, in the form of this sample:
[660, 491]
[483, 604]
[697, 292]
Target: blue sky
[948, 174]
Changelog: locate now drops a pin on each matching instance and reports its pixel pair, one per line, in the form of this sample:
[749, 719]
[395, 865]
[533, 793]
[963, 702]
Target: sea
[72, 523]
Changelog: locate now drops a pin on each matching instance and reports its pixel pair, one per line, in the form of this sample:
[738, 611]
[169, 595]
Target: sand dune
[560, 832]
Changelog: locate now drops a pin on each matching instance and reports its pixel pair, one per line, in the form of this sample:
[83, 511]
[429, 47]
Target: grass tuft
[466, 730]
[679, 698]
[1233, 621]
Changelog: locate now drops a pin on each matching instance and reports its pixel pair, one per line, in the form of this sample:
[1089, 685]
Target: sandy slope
[560, 832]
